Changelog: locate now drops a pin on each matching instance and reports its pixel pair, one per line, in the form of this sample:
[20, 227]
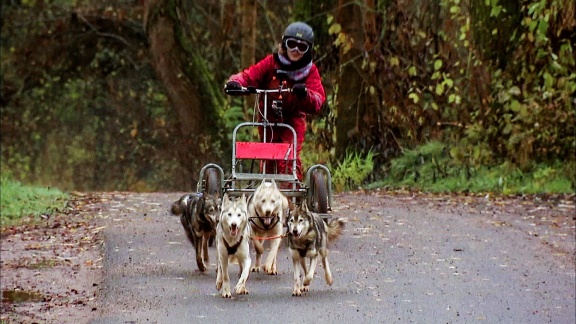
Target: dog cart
[247, 155]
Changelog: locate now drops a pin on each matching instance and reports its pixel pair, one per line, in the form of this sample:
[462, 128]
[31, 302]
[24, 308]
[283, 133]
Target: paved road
[399, 261]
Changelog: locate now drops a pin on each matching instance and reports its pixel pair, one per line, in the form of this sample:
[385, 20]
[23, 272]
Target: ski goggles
[296, 45]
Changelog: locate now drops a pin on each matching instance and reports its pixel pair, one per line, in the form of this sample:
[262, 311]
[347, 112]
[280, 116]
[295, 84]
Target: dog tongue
[234, 231]
[267, 220]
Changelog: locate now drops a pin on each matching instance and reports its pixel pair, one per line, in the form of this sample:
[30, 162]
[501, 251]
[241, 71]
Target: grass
[353, 170]
[435, 168]
[432, 168]
[17, 201]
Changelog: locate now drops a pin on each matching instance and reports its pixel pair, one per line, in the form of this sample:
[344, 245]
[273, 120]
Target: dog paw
[241, 290]
[201, 265]
[329, 280]
[218, 286]
[255, 269]
[226, 295]
[305, 288]
[296, 292]
[269, 270]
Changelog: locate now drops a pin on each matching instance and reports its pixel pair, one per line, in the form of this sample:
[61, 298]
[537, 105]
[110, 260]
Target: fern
[353, 170]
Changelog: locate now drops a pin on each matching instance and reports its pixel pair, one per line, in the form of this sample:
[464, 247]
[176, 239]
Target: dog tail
[335, 227]
[180, 205]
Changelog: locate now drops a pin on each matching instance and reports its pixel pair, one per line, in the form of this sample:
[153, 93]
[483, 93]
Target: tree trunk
[349, 108]
[170, 62]
[248, 34]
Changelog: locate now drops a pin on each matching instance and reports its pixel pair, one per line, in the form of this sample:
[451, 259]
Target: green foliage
[318, 147]
[353, 170]
[495, 79]
[431, 168]
[427, 159]
[17, 200]
[84, 111]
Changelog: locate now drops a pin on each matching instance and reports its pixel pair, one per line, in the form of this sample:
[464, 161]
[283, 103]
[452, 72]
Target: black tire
[212, 184]
[319, 196]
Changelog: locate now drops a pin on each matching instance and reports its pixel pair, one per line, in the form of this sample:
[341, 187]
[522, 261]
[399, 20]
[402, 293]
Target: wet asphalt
[397, 262]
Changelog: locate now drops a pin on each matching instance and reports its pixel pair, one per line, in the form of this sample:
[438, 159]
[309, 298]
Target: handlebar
[253, 90]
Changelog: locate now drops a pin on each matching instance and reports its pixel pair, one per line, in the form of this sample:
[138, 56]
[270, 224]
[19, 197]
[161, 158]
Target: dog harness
[302, 251]
[264, 227]
[232, 249]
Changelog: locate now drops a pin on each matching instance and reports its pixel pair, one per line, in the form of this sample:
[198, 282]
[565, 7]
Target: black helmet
[300, 31]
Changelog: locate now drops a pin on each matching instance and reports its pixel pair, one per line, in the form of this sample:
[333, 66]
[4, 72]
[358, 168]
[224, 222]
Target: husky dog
[308, 236]
[266, 209]
[199, 216]
[232, 243]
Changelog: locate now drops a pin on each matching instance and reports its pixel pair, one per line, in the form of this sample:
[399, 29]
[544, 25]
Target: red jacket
[262, 75]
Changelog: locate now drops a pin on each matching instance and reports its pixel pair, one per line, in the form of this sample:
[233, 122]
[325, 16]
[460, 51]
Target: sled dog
[266, 208]
[308, 236]
[199, 215]
[232, 244]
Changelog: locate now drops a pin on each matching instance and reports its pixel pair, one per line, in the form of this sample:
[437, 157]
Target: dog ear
[285, 203]
[287, 216]
[260, 186]
[297, 204]
[243, 200]
[291, 205]
[304, 206]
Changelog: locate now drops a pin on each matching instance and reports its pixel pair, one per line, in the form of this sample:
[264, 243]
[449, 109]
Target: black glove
[232, 85]
[300, 90]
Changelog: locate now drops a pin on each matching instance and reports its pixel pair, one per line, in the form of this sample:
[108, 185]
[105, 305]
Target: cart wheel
[319, 195]
[211, 186]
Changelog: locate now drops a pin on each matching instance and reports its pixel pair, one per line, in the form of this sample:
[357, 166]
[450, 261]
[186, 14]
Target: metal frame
[200, 185]
[299, 189]
[252, 176]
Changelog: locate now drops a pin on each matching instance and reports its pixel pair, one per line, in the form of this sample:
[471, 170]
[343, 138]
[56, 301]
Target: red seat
[264, 151]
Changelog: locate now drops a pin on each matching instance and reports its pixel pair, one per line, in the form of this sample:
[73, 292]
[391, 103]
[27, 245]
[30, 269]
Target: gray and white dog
[199, 216]
[308, 236]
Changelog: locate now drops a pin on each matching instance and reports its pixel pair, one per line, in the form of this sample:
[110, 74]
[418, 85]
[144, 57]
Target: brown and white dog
[232, 244]
[266, 209]
[308, 236]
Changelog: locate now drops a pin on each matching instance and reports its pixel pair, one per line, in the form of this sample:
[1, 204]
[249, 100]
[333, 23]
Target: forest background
[127, 95]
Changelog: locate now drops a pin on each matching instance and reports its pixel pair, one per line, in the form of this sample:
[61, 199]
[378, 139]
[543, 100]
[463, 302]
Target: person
[292, 63]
